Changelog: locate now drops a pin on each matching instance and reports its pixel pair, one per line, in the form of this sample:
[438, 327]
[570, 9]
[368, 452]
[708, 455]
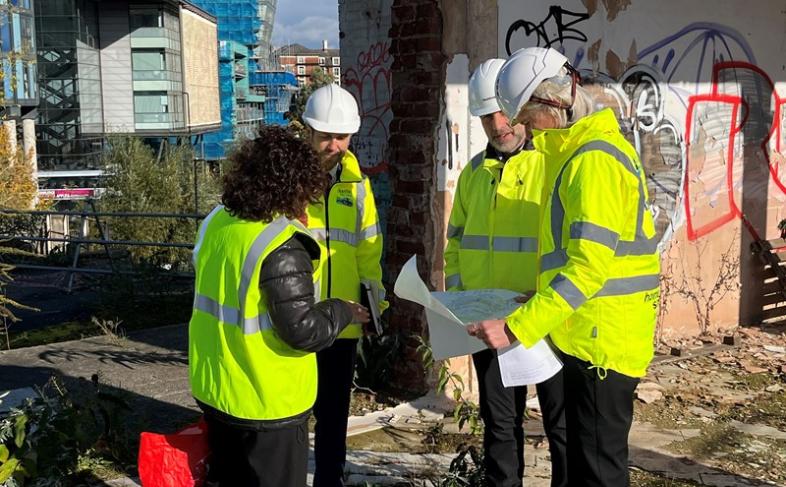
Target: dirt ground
[718, 412]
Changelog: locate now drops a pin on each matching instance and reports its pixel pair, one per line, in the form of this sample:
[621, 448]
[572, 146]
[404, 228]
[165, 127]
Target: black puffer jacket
[286, 279]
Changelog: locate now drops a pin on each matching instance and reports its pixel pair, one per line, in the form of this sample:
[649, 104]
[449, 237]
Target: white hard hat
[332, 109]
[482, 98]
[522, 73]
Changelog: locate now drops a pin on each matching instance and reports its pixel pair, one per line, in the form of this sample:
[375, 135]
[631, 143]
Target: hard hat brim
[333, 128]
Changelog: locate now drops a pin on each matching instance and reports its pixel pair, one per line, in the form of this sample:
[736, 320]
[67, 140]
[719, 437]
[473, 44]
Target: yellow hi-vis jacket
[598, 288]
[237, 363]
[348, 226]
[493, 228]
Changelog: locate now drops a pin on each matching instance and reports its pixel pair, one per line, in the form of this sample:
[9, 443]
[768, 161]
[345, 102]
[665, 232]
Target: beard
[330, 160]
[509, 143]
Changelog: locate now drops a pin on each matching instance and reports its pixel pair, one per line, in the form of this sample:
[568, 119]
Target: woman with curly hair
[256, 321]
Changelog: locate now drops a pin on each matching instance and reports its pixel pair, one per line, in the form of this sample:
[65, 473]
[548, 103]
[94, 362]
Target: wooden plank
[774, 313]
[773, 298]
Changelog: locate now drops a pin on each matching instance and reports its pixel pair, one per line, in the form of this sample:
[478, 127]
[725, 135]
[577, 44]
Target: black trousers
[551, 396]
[598, 417]
[336, 366]
[502, 410]
[275, 457]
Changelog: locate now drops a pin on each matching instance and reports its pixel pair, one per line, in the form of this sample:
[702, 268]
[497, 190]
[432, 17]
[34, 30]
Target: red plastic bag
[176, 460]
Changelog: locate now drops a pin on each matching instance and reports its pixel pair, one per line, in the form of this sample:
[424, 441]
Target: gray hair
[558, 88]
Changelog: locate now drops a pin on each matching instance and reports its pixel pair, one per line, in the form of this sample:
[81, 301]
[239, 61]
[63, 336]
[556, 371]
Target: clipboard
[370, 299]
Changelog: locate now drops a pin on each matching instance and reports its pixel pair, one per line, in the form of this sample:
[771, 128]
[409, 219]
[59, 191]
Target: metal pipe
[98, 242]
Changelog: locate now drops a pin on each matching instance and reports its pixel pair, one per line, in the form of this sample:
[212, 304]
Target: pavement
[150, 368]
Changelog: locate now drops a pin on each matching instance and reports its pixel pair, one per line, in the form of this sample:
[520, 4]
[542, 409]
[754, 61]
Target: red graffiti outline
[371, 67]
[737, 102]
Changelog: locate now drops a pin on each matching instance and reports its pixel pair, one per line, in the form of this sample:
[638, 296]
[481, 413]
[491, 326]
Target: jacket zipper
[327, 239]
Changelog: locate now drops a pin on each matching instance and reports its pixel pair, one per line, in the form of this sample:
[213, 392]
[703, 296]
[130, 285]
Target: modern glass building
[18, 55]
[121, 66]
[70, 119]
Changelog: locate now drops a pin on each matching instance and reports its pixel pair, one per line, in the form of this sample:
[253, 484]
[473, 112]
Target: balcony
[150, 37]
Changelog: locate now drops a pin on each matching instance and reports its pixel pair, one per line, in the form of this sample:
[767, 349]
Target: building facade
[19, 74]
[121, 67]
[303, 61]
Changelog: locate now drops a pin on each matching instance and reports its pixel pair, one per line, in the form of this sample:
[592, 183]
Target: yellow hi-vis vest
[237, 363]
[598, 288]
[348, 226]
[493, 229]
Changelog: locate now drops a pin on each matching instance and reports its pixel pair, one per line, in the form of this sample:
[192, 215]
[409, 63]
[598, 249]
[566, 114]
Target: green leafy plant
[377, 356]
[465, 412]
[45, 441]
[142, 181]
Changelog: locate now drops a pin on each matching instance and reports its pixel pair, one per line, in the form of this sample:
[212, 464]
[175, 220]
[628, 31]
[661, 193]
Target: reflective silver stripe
[569, 292]
[318, 233]
[477, 161]
[641, 245]
[500, 244]
[341, 235]
[202, 231]
[629, 285]
[455, 232]
[553, 260]
[361, 206]
[369, 232]
[594, 233]
[453, 280]
[230, 315]
[515, 244]
[263, 240]
[475, 242]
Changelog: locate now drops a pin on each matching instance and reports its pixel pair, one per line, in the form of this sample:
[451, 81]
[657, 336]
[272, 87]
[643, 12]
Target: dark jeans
[598, 416]
[275, 457]
[551, 396]
[336, 370]
[502, 410]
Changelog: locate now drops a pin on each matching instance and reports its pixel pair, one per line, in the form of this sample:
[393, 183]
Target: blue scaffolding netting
[278, 88]
[248, 97]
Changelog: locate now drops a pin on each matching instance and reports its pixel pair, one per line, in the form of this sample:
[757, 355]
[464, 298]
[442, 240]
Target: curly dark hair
[274, 174]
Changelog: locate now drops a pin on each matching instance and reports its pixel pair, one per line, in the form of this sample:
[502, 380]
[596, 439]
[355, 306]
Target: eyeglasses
[575, 80]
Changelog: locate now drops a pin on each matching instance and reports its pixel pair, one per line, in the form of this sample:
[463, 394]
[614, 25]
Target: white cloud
[309, 31]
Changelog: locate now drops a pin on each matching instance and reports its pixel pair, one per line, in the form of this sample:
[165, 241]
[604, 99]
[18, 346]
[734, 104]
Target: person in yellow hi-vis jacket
[346, 222]
[598, 283]
[492, 243]
[257, 318]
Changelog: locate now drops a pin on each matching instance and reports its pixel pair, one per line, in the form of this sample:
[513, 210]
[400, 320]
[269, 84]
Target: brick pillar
[418, 79]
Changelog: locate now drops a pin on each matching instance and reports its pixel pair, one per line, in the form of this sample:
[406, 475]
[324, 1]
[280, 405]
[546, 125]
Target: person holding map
[492, 243]
[598, 282]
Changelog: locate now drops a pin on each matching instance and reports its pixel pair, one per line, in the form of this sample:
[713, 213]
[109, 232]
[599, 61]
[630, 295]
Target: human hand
[359, 313]
[494, 333]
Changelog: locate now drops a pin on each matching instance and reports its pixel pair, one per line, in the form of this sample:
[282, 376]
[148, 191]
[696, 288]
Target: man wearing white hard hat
[492, 244]
[346, 222]
[598, 282]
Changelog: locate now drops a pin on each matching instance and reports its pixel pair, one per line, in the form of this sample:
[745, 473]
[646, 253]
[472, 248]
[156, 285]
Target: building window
[321, 61]
[336, 61]
[146, 17]
[301, 60]
[301, 70]
[337, 72]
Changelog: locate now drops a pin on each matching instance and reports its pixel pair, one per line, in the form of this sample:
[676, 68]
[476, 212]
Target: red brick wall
[418, 80]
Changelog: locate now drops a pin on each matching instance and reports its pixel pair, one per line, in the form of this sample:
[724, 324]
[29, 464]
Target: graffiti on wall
[369, 81]
[690, 102]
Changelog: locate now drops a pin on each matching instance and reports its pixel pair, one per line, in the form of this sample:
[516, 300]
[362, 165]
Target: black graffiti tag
[557, 27]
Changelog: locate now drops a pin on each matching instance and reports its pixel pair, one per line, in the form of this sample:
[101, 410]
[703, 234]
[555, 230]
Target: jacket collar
[496, 156]
[553, 142]
[350, 169]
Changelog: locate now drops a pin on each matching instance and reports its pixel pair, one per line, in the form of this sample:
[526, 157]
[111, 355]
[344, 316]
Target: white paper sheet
[525, 366]
[448, 313]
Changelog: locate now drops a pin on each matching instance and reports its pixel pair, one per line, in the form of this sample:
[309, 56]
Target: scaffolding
[277, 87]
[239, 25]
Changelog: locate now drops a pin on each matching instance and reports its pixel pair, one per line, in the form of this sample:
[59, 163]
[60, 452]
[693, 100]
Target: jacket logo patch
[344, 200]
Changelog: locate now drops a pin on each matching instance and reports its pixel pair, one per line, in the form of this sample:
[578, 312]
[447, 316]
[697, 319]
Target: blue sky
[306, 22]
